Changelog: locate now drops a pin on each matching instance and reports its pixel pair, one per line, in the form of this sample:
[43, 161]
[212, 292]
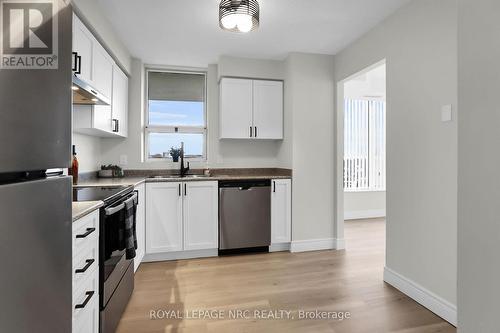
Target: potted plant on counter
[175, 153]
[111, 171]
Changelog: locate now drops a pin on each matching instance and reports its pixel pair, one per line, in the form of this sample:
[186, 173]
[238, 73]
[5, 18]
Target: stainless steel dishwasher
[244, 214]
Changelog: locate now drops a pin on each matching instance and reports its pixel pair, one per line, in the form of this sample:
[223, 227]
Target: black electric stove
[98, 193]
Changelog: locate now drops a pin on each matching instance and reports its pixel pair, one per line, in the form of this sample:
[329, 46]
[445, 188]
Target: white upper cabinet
[281, 211]
[93, 120]
[82, 44]
[98, 69]
[163, 217]
[120, 102]
[201, 211]
[102, 70]
[236, 101]
[94, 63]
[268, 109]
[251, 109]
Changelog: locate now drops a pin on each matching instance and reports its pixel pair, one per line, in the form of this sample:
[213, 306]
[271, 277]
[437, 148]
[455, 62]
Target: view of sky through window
[176, 113]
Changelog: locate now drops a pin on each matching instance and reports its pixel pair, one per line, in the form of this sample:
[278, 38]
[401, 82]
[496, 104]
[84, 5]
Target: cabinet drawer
[85, 264]
[85, 233]
[86, 294]
[86, 318]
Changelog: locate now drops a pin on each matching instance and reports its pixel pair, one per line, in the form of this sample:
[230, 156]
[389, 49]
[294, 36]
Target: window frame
[148, 129]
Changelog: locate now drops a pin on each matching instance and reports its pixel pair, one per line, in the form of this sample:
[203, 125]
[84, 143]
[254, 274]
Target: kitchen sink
[164, 177]
[178, 176]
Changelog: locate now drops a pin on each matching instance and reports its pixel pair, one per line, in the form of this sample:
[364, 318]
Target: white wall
[364, 204]
[253, 68]
[88, 151]
[310, 100]
[92, 15]
[420, 47]
[479, 158]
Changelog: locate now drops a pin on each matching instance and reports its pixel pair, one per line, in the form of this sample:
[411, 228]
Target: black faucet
[184, 170]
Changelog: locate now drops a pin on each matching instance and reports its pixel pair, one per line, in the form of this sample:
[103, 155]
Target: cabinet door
[163, 217]
[140, 225]
[101, 118]
[235, 108]
[120, 100]
[281, 211]
[82, 44]
[201, 215]
[102, 70]
[268, 109]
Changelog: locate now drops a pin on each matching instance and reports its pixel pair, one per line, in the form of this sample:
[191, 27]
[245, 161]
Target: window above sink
[176, 112]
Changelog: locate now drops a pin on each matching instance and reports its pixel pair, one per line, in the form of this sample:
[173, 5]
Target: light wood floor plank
[349, 280]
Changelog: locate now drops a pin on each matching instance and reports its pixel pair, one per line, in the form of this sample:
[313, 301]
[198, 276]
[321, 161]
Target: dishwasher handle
[244, 184]
[241, 188]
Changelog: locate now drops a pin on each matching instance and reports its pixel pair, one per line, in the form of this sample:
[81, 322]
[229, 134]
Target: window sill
[169, 161]
[363, 190]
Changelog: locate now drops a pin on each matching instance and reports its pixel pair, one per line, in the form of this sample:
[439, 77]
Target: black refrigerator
[35, 135]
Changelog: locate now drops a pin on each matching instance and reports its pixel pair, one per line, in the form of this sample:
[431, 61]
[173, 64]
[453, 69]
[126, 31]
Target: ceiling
[187, 33]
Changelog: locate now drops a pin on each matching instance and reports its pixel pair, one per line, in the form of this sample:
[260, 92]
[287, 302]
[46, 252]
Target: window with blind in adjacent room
[364, 145]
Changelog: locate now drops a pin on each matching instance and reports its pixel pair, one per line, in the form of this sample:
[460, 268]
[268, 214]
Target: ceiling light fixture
[239, 15]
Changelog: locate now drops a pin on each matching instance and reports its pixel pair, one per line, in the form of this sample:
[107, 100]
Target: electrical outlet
[123, 159]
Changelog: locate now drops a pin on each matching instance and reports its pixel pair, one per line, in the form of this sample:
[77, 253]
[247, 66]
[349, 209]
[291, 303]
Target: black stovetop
[96, 193]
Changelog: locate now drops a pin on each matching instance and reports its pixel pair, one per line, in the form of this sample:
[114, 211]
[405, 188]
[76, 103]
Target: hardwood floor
[349, 280]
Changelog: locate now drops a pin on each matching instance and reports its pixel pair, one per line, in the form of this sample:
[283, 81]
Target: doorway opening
[362, 159]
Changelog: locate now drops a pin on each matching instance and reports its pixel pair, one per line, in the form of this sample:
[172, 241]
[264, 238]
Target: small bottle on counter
[73, 171]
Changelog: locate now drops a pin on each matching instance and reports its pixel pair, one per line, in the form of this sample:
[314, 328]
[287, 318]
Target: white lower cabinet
[86, 274]
[163, 217]
[140, 225]
[181, 216]
[200, 209]
[281, 212]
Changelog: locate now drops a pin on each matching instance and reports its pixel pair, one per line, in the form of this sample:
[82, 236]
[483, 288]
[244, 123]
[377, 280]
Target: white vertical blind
[364, 145]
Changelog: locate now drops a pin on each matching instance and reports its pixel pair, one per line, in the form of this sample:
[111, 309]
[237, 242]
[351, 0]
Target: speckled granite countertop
[82, 208]
[136, 177]
[126, 181]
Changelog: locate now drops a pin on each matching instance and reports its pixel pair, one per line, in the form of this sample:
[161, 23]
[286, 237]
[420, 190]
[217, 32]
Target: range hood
[85, 94]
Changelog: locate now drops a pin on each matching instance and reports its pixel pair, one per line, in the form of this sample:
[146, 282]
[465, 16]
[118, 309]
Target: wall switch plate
[446, 113]
[123, 159]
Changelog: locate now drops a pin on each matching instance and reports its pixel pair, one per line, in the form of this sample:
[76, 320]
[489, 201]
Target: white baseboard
[364, 214]
[279, 247]
[431, 301]
[340, 244]
[317, 245]
[152, 257]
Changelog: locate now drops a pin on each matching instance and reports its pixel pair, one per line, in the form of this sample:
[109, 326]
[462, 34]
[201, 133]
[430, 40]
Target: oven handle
[115, 209]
